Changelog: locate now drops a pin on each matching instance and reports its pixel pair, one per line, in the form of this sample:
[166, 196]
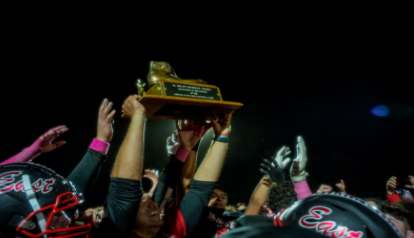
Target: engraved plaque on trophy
[170, 97]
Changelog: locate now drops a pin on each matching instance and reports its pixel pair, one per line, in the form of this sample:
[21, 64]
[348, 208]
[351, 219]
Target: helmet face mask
[336, 215]
[33, 213]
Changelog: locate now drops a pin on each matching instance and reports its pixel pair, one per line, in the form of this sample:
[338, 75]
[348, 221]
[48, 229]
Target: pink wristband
[182, 154]
[100, 146]
[302, 189]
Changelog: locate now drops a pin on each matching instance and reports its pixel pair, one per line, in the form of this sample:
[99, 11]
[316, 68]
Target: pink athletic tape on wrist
[100, 146]
[182, 154]
[27, 154]
[302, 189]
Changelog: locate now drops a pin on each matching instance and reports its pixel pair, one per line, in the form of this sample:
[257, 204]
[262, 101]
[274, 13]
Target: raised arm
[298, 172]
[129, 161]
[125, 190]
[259, 196]
[89, 166]
[190, 135]
[211, 166]
[195, 201]
[42, 145]
[276, 170]
[168, 178]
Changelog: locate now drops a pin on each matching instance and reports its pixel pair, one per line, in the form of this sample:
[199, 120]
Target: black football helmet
[335, 214]
[31, 195]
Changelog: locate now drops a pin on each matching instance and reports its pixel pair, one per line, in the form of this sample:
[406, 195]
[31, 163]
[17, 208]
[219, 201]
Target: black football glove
[278, 168]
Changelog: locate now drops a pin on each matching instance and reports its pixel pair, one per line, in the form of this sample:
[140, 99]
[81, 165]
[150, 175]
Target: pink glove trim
[182, 154]
[100, 146]
[26, 155]
[302, 189]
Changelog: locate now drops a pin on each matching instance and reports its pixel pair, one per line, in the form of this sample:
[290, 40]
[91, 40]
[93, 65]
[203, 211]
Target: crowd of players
[180, 201]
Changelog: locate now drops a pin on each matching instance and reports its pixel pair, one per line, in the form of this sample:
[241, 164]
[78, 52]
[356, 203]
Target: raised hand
[132, 106]
[341, 186]
[278, 169]
[222, 127]
[93, 214]
[198, 124]
[324, 188]
[47, 138]
[391, 185]
[412, 182]
[298, 168]
[105, 121]
[188, 137]
[153, 175]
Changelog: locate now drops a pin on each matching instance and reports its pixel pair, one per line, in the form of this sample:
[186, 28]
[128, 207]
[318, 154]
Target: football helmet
[336, 214]
[33, 197]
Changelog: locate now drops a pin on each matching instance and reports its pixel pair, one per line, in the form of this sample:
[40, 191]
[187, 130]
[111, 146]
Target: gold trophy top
[161, 70]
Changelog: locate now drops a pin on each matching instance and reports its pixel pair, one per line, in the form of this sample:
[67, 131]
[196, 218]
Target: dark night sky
[315, 74]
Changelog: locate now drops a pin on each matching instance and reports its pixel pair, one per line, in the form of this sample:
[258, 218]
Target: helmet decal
[7, 183]
[316, 213]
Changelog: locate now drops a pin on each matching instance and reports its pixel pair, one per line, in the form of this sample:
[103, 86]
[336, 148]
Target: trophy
[170, 97]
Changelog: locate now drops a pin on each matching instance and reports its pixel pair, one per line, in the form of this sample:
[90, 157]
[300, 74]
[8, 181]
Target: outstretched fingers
[227, 117]
[111, 116]
[103, 104]
[215, 125]
[177, 125]
[53, 133]
[107, 108]
[286, 162]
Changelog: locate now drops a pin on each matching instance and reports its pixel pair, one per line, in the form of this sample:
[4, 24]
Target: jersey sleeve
[87, 169]
[121, 208]
[179, 221]
[393, 198]
[195, 202]
[168, 178]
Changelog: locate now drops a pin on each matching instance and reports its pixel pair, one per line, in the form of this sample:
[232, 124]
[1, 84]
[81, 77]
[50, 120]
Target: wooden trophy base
[174, 99]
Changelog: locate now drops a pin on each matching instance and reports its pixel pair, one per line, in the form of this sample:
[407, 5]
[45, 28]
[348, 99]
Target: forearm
[259, 197]
[302, 189]
[167, 179]
[89, 166]
[195, 202]
[167, 195]
[187, 175]
[210, 168]
[26, 155]
[121, 208]
[129, 161]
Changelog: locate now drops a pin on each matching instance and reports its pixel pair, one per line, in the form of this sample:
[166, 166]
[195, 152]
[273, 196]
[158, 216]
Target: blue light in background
[380, 111]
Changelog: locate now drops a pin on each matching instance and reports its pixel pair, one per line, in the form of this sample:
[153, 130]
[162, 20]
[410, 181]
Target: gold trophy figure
[141, 87]
[170, 97]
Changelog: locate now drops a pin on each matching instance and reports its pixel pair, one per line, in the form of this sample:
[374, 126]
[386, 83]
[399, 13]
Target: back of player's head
[401, 215]
[281, 195]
